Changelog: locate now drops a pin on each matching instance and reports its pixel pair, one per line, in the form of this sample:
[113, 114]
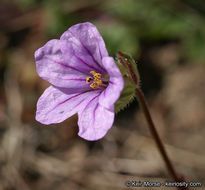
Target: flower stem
[157, 139]
[154, 133]
[152, 128]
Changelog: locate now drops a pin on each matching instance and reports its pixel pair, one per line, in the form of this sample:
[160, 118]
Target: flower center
[95, 79]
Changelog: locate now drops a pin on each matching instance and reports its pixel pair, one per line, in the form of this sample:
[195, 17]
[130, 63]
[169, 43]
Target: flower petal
[51, 66]
[85, 43]
[55, 104]
[94, 120]
[116, 84]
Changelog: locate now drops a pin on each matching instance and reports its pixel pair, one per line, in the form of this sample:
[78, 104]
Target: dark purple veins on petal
[92, 67]
[67, 66]
[93, 111]
[70, 67]
[90, 102]
[90, 53]
[68, 100]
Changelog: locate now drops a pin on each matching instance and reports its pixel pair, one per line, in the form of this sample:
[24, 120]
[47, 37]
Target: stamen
[88, 80]
[92, 72]
[97, 80]
[94, 86]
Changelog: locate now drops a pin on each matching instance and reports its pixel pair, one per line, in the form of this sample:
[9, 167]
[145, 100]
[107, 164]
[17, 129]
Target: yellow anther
[88, 80]
[94, 85]
[92, 72]
[97, 80]
[97, 75]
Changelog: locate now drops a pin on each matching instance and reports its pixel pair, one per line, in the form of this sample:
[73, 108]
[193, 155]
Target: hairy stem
[154, 133]
[152, 128]
[157, 139]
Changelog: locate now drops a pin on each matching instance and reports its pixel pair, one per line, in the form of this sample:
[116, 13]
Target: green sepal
[127, 95]
[127, 66]
[125, 61]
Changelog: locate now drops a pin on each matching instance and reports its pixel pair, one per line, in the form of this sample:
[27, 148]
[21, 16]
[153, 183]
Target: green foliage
[158, 20]
[26, 4]
[60, 20]
[118, 36]
[125, 23]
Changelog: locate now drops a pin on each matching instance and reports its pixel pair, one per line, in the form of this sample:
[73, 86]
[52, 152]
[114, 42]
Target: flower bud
[131, 78]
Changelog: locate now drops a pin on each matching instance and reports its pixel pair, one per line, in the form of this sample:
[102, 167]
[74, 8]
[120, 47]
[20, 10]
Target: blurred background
[167, 38]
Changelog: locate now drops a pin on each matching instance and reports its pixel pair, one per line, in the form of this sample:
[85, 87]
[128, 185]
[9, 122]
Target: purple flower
[85, 80]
